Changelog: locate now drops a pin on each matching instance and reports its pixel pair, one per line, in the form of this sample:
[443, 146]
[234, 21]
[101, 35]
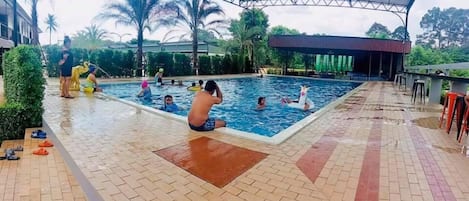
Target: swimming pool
[240, 100]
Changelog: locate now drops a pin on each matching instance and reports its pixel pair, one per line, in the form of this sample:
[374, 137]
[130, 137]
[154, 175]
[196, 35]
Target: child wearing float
[146, 91]
[169, 105]
[91, 85]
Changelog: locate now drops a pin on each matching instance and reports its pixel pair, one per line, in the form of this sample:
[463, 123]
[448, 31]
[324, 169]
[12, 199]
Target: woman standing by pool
[66, 64]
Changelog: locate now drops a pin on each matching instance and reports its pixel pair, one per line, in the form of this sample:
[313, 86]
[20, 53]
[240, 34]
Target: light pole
[405, 34]
[15, 23]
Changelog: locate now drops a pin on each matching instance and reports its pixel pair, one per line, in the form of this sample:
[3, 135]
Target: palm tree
[243, 35]
[95, 35]
[35, 28]
[90, 37]
[141, 14]
[193, 15]
[51, 25]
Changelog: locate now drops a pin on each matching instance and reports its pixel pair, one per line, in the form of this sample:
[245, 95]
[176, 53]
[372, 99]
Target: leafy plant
[24, 83]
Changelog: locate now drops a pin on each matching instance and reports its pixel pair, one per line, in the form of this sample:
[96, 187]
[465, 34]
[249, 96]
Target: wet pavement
[375, 145]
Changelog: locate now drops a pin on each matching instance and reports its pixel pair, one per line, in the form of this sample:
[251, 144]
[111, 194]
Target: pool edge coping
[278, 138]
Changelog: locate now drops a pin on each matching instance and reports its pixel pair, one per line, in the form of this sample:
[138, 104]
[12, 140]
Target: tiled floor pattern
[368, 182]
[112, 144]
[36, 177]
[211, 160]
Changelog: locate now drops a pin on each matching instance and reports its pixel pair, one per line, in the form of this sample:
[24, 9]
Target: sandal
[41, 151]
[46, 144]
[10, 155]
[39, 134]
[69, 97]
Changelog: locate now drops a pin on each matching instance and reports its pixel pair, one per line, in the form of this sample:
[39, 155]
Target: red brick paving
[368, 185]
[211, 160]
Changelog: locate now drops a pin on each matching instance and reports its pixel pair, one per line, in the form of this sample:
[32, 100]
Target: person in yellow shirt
[91, 85]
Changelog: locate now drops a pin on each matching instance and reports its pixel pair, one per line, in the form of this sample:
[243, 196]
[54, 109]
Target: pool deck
[375, 145]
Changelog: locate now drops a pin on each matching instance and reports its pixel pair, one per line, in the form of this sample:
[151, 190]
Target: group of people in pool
[168, 103]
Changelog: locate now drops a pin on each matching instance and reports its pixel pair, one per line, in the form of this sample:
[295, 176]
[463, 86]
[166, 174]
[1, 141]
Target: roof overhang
[397, 6]
[336, 44]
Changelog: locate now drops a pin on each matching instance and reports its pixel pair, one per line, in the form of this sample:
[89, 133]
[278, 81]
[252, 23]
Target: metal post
[15, 24]
[369, 67]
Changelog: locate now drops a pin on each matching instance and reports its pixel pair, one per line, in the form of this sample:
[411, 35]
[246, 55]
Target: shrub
[217, 65]
[13, 116]
[182, 65]
[24, 83]
[227, 64]
[205, 66]
[152, 63]
[165, 60]
[53, 58]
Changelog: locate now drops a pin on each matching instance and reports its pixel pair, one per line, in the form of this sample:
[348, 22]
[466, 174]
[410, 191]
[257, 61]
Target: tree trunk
[195, 47]
[50, 37]
[35, 39]
[139, 51]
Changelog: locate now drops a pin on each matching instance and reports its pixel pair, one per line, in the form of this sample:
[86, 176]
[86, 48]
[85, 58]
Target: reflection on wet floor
[450, 150]
[427, 122]
[385, 120]
[214, 161]
[376, 107]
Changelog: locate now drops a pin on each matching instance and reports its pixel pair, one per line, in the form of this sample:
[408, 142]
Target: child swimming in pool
[260, 103]
[169, 105]
[146, 91]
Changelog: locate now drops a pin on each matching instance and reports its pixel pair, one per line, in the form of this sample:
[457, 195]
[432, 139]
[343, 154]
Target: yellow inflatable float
[76, 72]
[194, 88]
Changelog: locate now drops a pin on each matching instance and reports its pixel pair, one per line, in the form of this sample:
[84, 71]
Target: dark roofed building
[371, 57]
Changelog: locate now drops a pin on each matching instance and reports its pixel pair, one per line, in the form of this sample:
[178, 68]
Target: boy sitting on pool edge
[202, 103]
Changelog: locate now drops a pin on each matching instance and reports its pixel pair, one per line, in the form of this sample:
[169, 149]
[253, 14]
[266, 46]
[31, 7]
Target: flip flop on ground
[41, 151]
[10, 155]
[46, 144]
[39, 134]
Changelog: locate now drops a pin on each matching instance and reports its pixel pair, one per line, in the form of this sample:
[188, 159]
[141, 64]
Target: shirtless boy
[203, 101]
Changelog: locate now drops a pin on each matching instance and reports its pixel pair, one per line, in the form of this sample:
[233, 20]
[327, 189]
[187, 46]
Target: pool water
[240, 100]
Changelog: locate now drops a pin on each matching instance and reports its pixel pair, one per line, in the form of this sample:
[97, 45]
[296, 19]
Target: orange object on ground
[41, 151]
[46, 144]
[449, 104]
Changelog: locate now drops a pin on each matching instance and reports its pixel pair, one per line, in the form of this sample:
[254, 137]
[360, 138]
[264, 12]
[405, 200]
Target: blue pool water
[240, 100]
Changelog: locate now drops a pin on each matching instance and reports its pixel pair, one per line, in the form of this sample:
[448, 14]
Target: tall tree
[141, 14]
[283, 56]
[51, 25]
[242, 37]
[196, 15]
[378, 30]
[400, 34]
[256, 19]
[433, 22]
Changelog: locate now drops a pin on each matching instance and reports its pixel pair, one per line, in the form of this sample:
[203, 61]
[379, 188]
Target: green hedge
[122, 63]
[24, 82]
[12, 126]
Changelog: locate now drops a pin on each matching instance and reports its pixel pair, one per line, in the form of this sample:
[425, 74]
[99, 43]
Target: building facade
[6, 25]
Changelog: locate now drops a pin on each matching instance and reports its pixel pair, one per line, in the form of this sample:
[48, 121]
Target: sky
[75, 15]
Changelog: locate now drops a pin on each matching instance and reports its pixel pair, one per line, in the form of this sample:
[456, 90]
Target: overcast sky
[74, 15]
